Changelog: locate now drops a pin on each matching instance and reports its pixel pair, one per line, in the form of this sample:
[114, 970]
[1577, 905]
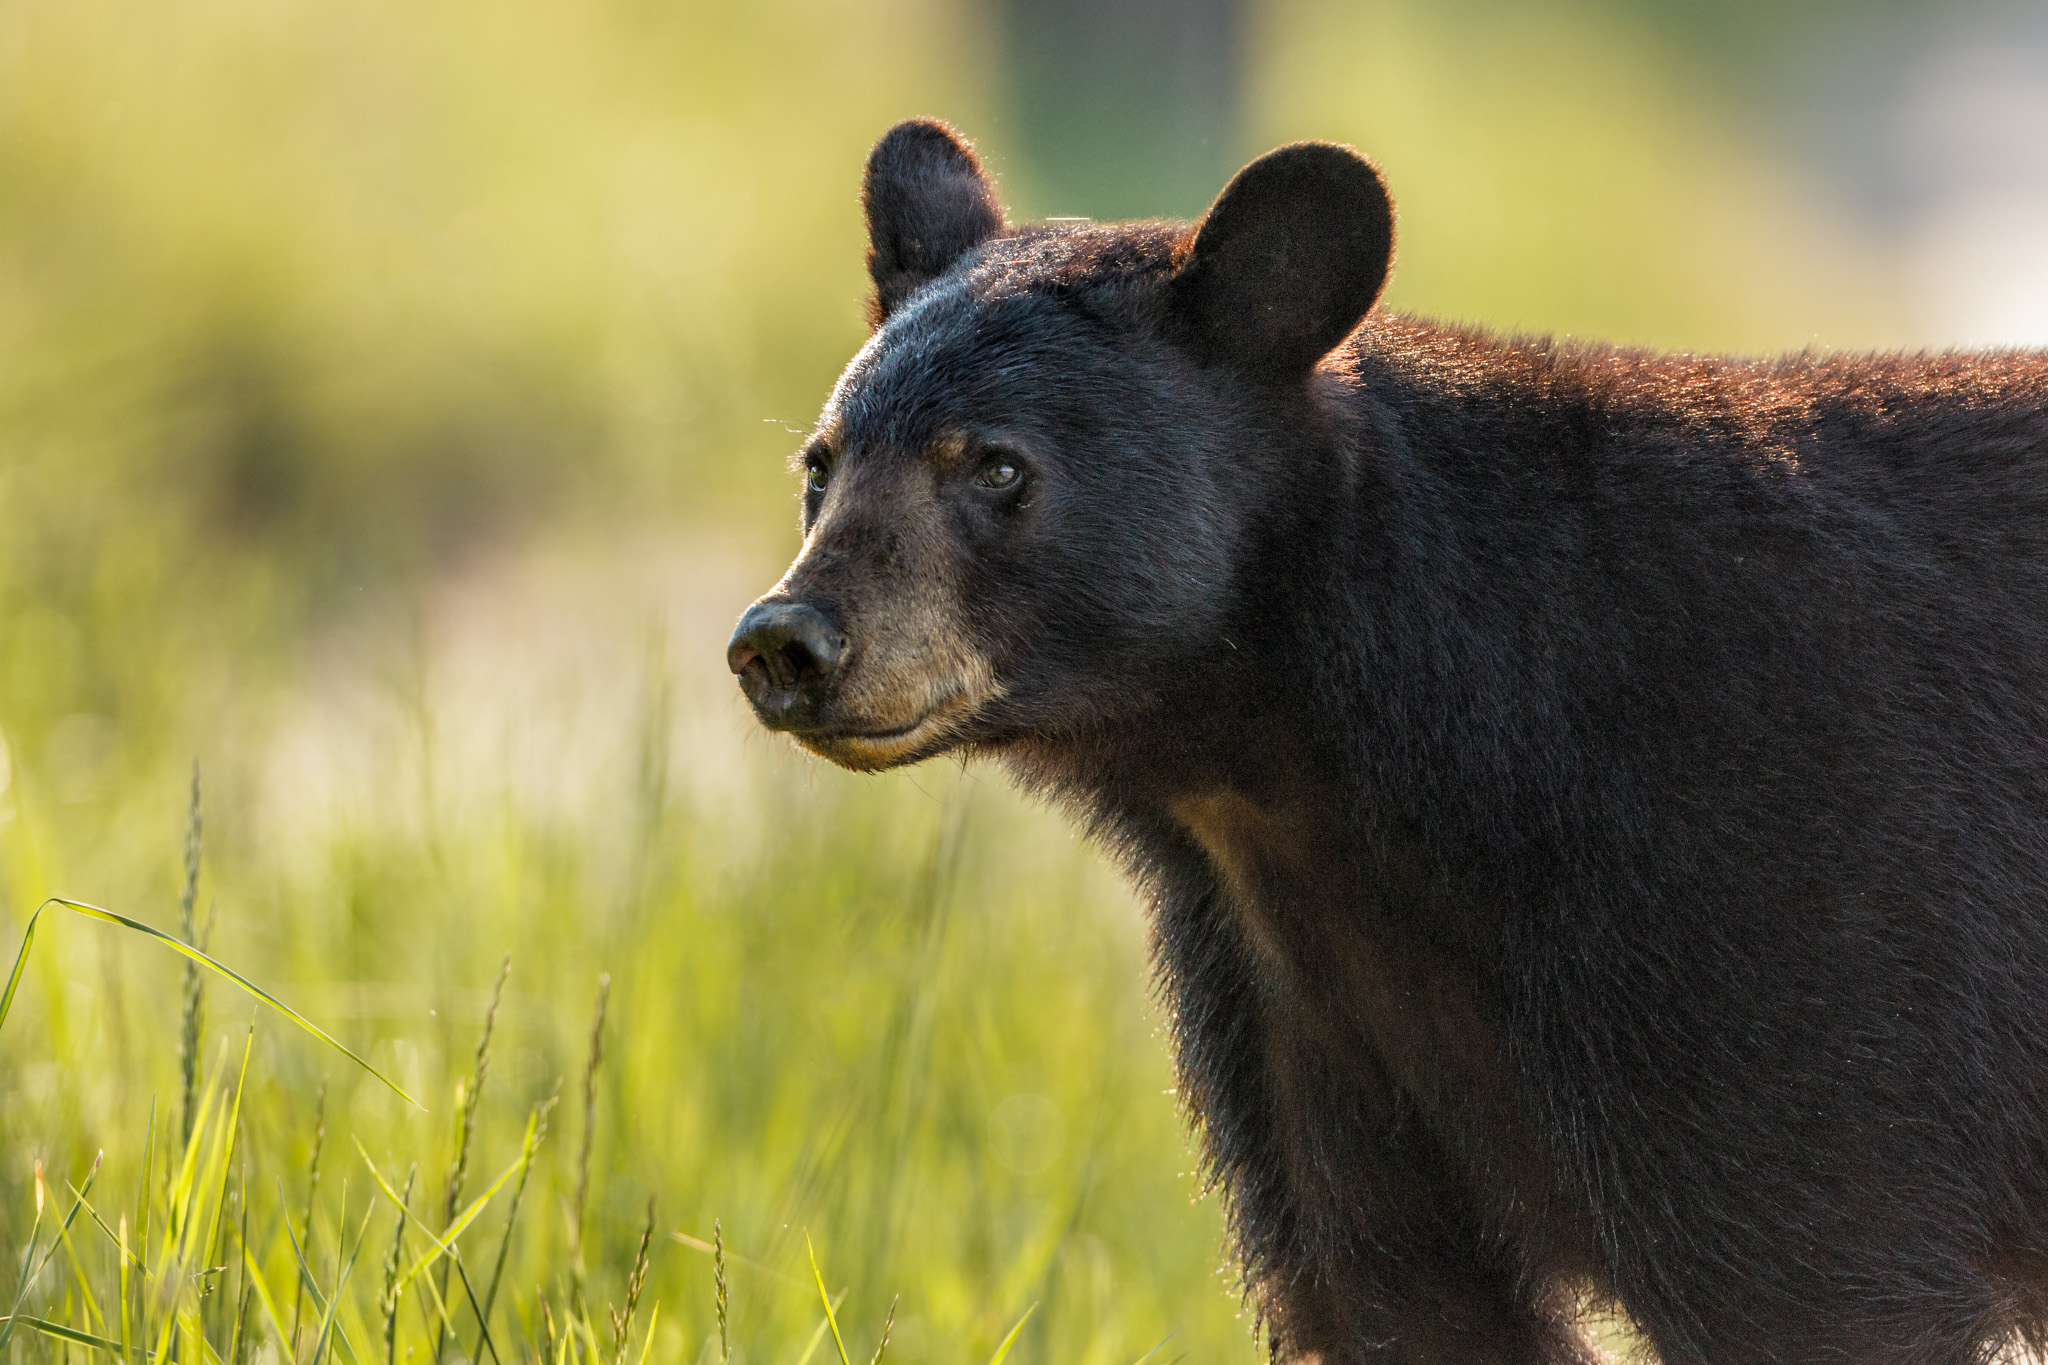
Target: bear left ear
[1286, 262]
[928, 203]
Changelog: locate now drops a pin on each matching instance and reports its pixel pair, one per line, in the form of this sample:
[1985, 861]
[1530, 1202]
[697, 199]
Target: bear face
[1026, 500]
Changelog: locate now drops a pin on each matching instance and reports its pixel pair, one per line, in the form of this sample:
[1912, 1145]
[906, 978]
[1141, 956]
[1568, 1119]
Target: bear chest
[1365, 1010]
[1342, 966]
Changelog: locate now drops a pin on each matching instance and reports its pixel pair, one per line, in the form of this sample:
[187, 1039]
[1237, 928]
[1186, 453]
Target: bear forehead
[981, 341]
[991, 333]
[1074, 259]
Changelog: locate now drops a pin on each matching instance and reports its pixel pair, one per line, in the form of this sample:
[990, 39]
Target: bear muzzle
[864, 698]
[786, 655]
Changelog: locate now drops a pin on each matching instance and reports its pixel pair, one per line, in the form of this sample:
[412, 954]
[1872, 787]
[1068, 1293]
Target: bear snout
[785, 655]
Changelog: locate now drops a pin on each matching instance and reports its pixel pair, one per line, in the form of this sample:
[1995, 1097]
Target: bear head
[1028, 502]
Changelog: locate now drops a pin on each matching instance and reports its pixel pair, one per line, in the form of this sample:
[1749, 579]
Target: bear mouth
[867, 751]
[872, 750]
[897, 732]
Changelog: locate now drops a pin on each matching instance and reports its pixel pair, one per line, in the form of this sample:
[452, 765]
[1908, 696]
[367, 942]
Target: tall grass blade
[29, 1278]
[443, 1242]
[238, 1339]
[391, 1264]
[193, 954]
[312, 1190]
[142, 1218]
[78, 1273]
[178, 1200]
[882, 1346]
[142, 1201]
[562, 1342]
[714, 1250]
[227, 1164]
[119, 1239]
[483, 1324]
[584, 1332]
[445, 1324]
[1011, 1340]
[536, 1133]
[622, 1323]
[127, 1258]
[547, 1325]
[256, 1280]
[193, 1021]
[70, 1334]
[647, 1342]
[238, 1335]
[831, 1318]
[468, 1095]
[718, 1290]
[28, 1256]
[471, 1095]
[818, 1335]
[20, 960]
[329, 1328]
[170, 1283]
[604, 992]
[1157, 1348]
[307, 1280]
[345, 1259]
[434, 1306]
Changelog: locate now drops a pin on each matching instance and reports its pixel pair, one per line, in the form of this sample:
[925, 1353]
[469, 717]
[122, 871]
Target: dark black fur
[1594, 803]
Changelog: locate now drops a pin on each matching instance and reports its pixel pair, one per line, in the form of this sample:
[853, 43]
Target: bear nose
[784, 653]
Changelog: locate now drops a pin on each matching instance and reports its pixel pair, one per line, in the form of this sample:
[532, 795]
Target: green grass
[911, 1034]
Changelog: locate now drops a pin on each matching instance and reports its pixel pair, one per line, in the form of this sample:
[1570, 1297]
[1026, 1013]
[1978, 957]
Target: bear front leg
[1379, 1258]
[1322, 1319]
[1359, 1239]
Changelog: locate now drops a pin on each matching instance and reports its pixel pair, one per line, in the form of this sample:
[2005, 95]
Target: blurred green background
[394, 408]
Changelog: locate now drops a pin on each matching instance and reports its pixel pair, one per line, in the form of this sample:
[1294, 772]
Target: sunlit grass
[189, 1295]
[909, 1029]
[215, 1257]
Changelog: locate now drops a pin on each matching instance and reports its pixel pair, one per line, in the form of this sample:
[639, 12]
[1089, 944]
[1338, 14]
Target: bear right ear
[928, 203]
[1286, 262]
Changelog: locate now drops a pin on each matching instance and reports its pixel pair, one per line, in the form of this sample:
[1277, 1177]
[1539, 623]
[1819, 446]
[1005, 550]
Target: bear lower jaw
[869, 753]
[878, 750]
[863, 741]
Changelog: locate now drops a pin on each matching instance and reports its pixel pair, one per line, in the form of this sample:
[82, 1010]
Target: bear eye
[1000, 474]
[817, 473]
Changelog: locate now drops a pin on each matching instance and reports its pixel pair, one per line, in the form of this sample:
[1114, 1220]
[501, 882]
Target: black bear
[1593, 803]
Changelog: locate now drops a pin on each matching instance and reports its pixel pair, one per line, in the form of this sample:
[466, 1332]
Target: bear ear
[928, 203]
[1287, 260]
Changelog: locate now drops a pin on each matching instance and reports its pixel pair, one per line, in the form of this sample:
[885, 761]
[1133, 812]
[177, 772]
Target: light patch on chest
[1263, 858]
[1358, 998]
[1354, 974]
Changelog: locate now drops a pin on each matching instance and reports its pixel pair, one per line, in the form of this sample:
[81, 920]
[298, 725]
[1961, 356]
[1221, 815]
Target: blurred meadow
[394, 411]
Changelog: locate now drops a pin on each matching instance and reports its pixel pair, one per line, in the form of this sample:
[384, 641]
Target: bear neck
[1396, 681]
